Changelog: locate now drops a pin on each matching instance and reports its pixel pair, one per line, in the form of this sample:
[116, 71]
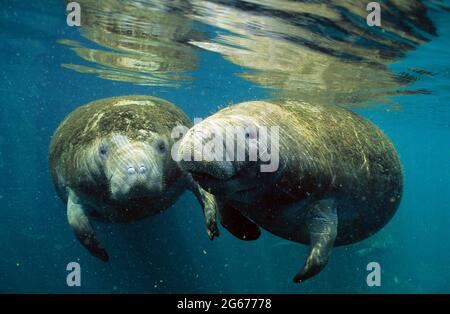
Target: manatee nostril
[142, 169]
[131, 170]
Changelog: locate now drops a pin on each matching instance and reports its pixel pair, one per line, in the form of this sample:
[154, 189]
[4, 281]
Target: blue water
[171, 252]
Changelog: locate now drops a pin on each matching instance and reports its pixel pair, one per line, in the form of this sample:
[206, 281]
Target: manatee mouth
[203, 176]
[231, 186]
[122, 192]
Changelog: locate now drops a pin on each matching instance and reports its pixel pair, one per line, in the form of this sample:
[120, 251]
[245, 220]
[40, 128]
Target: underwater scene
[225, 146]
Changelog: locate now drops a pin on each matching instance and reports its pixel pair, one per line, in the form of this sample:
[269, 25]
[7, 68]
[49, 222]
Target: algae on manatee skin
[156, 116]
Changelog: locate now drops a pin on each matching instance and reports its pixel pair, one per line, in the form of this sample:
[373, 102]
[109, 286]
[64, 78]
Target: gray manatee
[110, 161]
[338, 178]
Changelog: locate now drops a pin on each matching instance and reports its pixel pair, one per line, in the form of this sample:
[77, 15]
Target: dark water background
[171, 252]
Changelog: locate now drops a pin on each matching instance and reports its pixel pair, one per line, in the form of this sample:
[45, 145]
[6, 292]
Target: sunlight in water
[319, 51]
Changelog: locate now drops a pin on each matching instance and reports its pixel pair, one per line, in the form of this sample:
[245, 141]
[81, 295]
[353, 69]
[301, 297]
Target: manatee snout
[135, 171]
[203, 152]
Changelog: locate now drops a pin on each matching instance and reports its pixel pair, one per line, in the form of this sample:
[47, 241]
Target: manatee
[110, 161]
[337, 180]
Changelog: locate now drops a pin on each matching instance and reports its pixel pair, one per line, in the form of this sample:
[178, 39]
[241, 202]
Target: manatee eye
[161, 146]
[103, 151]
[250, 133]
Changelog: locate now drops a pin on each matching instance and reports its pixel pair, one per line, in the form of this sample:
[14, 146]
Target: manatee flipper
[322, 227]
[83, 229]
[209, 206]
[237, 224]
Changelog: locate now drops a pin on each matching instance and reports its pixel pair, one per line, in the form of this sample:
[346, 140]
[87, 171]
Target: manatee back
[342, 154]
